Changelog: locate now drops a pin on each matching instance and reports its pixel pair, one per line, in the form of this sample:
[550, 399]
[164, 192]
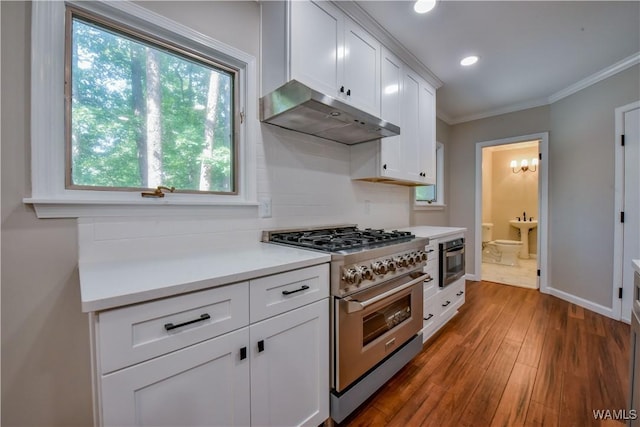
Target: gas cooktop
[340, 238]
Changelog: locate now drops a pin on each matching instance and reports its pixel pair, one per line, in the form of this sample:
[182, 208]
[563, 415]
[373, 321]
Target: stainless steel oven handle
[454, 253]
[353, 306]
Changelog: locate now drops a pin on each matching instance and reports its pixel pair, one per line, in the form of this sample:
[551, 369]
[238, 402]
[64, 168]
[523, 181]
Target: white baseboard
[600, 309]
[472, 277]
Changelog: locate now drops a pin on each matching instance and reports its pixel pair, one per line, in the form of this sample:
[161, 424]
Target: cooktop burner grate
[336, 239]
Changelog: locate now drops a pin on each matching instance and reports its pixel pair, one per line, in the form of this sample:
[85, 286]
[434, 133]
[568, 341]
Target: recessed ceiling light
[424, 6]
[469, 60]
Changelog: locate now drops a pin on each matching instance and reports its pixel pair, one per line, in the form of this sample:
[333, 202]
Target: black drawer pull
[243, 353]
[170, 326]
[459, 293]
[446, 304]
[430, 279]
[431, 250]
[428, 317]
[348, 92]
[302, 288]
[260, 346]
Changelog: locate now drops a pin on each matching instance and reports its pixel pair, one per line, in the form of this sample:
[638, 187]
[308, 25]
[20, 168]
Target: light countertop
[115, 283]
[434, 232]
[636, 265]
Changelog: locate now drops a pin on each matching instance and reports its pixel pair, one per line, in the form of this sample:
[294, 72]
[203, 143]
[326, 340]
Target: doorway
[627, 201]
[519, 166]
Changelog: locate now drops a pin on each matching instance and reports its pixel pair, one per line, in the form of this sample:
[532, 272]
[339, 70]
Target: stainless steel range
[376, 291]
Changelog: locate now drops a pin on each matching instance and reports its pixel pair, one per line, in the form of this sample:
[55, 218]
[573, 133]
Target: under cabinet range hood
[297, 107]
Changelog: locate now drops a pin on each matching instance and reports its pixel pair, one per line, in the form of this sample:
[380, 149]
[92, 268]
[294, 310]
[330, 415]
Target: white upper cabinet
[324, 49]
[390, 110]
[361, 69]
[407, 159]
[316, 45]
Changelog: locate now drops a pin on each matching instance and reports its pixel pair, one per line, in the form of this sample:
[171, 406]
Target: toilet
[503, 252]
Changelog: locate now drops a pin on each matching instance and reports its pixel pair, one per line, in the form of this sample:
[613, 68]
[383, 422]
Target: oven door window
[385, 319]
[454, 265]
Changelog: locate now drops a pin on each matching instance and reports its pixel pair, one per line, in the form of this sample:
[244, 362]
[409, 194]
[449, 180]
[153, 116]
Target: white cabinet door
[390, 110]
[202, 385]
[410, 127]
[427, 132]
[290, 367]
[316, 39]
[361, 69]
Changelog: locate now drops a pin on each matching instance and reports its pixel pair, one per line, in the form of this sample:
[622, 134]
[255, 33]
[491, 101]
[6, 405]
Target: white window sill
[428, 207]
[81, 208]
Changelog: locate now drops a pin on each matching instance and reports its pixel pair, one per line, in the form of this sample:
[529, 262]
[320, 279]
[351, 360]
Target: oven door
[451, 265]
[372, 324]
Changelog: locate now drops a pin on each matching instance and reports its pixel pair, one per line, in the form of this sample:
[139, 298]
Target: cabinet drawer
[432, 251]
[282, 292]
[430, 286]
[431, 317]
[451, 298]
[143, 331]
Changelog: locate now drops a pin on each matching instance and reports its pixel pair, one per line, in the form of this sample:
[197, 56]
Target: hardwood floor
[510, 357]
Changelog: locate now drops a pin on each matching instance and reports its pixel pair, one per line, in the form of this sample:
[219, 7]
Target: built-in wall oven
[452, 264]
[376, 283]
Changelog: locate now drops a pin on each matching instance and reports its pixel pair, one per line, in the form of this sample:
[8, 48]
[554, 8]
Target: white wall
[45, 337]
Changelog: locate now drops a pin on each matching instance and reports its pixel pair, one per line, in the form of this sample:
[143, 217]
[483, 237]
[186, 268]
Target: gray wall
[581, 180]
[462, 152]
[581, 196]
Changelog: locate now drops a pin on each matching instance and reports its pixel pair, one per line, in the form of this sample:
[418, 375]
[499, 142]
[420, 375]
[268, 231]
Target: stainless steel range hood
[299, 108]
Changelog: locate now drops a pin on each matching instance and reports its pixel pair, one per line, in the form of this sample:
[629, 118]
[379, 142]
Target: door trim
[543, 205]
[618, 229]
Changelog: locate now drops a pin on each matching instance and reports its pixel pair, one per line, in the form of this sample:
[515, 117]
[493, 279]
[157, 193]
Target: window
[145, 114]
[148, 103]
[432, 196]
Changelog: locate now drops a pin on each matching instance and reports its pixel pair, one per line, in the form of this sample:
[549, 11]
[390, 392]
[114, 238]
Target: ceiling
[531, 52]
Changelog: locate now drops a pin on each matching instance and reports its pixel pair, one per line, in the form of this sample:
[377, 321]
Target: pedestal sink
[524, 227]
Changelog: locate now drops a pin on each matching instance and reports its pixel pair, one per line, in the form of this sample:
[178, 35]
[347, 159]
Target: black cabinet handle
[302, 288]
[446, 304]
[260, 346]
[430, 250]
[428, 317]
[459, 293]
[430, 279]
[243, 353]
[384, 166]
[348, 92]
[341, 89]
[170, 326]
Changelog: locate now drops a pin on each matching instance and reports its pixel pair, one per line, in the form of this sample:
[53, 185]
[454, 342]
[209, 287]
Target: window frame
[48, 170]
[439, 203]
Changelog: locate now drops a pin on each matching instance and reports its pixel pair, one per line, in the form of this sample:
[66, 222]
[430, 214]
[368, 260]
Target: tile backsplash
[307, 180]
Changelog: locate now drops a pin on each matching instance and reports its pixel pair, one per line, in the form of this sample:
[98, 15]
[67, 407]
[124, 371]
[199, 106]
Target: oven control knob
[411, 259]
[352, 276]
[422, 255]
[390, 264]
[400, 261]
[366, 273]
[379, 267]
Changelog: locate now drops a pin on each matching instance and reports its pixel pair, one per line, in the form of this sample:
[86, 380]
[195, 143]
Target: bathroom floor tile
[523, 275]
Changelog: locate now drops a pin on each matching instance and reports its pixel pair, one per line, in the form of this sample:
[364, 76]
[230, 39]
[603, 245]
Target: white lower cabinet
[289, 370]
[205, 384]
[440, 306]
[204, 363]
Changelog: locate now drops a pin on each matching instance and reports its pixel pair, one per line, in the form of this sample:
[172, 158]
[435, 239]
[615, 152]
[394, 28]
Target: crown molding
[359, 15]
[605, 73]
